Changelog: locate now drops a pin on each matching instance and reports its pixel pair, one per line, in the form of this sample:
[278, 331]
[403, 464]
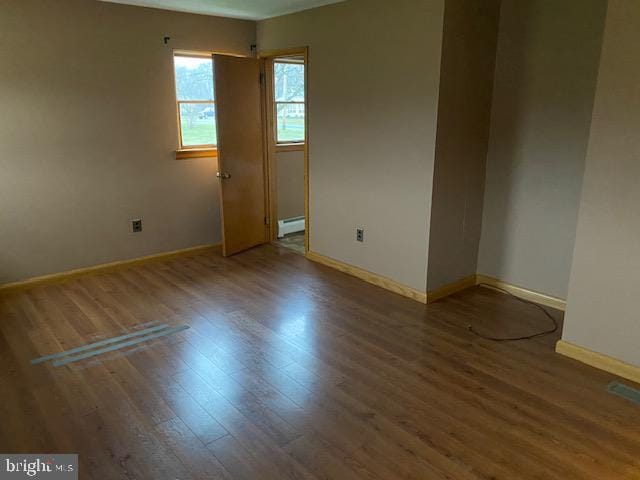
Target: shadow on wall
[508, 125]
[464, 107]
[546, 72]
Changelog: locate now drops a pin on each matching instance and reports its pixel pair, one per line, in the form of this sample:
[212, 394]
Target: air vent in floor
[624, 391]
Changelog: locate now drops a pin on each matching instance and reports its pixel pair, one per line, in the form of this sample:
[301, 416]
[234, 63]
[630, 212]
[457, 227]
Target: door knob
[223, 175]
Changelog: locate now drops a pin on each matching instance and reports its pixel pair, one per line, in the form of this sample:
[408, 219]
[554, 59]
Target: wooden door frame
[267, 58]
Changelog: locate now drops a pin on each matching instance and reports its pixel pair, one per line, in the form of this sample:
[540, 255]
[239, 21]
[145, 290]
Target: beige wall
[466, 83]
[546, 69]
[602, 311]
[290, 184]
[88, 132]
[373, 87]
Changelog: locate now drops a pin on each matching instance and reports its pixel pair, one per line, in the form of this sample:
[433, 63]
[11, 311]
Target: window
[288, 81]
[195, 100]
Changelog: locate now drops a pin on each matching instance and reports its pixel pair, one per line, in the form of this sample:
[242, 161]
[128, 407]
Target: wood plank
[293, 370]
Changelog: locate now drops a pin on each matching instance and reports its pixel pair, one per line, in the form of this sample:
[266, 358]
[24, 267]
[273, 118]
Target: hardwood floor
[291, 370]
[292, 241]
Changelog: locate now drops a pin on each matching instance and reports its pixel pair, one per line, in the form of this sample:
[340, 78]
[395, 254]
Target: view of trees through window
[289, 100]
[196, 105]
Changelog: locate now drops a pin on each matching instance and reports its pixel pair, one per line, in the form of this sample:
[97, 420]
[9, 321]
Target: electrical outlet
[360, 235]
[136, 226]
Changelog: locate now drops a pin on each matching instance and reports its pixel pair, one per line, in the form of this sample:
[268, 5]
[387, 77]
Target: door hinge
[261, 80]
[266, 220]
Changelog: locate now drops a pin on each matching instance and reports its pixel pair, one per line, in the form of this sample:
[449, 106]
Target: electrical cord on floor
[526, 337]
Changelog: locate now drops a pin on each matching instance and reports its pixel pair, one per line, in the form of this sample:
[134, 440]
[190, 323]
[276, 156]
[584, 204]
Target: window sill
[183, 153]
[290, 147]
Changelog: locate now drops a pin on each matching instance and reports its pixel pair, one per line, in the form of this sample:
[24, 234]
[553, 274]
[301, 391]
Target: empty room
[320, 239]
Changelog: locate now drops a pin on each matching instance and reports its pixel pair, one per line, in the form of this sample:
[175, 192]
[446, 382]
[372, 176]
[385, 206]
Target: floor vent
[625, 392]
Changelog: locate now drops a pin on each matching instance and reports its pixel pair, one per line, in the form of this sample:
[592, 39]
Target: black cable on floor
[526, 337]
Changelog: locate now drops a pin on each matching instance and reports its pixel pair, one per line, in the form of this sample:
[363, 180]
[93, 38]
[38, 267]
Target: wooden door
[240, 152]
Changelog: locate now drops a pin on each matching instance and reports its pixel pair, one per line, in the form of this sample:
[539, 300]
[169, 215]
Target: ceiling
[247, 9]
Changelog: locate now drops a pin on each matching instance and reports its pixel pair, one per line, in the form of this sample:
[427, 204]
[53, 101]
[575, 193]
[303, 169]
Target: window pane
[194, 78]
[288, 82]
[198, 124]
[290, 122]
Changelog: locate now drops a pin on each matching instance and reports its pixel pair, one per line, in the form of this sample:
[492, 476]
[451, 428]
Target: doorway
[286, 112]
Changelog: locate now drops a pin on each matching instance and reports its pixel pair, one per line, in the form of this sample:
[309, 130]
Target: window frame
[191, 151]
[295, 143]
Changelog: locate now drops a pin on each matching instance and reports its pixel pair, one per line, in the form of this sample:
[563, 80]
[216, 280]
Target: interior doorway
[286, 112]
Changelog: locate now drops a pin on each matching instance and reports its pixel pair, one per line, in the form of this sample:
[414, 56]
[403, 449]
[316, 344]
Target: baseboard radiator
[290, 225]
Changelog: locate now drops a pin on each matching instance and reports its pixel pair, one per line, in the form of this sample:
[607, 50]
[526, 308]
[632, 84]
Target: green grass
[294, 131]
[201, 132]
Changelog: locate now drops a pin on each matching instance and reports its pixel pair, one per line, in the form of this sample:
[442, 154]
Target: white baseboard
[290, 225]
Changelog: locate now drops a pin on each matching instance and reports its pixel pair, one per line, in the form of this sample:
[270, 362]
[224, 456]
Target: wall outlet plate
[136, 225]
[360, 234]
